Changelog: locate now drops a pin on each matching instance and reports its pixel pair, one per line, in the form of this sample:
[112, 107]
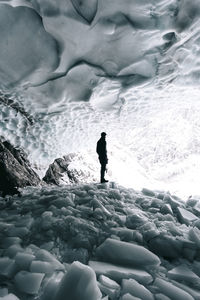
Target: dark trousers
[103, 169]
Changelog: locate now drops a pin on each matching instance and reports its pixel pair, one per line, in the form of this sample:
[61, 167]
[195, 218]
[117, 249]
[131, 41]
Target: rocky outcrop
[70, 169]
[56, 171]
[15, 169]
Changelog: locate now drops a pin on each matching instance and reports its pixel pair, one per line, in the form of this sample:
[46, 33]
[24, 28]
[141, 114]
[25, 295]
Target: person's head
[103, 135]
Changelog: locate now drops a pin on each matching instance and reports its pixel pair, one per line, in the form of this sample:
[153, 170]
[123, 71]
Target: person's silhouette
[102, 152]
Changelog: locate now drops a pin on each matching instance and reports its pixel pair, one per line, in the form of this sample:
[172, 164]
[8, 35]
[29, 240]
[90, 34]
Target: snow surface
[54, 239]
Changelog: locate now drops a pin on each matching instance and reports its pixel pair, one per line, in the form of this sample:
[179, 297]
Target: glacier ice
[24, 59]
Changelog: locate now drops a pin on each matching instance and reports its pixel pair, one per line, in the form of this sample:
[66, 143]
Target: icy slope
[140, 245]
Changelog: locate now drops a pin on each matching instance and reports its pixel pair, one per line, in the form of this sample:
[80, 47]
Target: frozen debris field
[99, 241]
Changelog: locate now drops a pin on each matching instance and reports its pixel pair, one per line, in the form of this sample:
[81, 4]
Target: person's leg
[103, 169]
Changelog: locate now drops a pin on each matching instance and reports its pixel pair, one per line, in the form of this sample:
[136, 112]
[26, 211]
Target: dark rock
[62, 171]
[57, 169]
[15, 170]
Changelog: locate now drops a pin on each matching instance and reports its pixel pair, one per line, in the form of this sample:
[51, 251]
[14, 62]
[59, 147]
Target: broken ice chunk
[9, 297]
[109, 287]
[44, 255]
[129, 297]
[7, 267]
[124, 253]
[172, 201]
[166, 209]
[9, 241]
[108, 282]
[38, 266]
[166, 246]
[13, 250]
[97, 204]
[148, 192]
[131, 286]
[51, 286]
[25, 221]
[112, 293]
[20, 232]
[197, 207]
[23, 260]
[185, 216]
[118, 273]
[182, 272]
[171, 291]
[161, 297]
[3, 292]
[195, 293]
[79, 284]
[27, 282]
[194, 235]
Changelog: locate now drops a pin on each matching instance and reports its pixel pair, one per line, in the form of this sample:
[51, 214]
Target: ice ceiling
[70, 69]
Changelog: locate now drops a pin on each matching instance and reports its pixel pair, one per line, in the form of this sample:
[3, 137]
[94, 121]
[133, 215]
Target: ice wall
[68, 46]
[71, 69]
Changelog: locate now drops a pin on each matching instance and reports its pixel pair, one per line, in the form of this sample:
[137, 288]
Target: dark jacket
[101, 150]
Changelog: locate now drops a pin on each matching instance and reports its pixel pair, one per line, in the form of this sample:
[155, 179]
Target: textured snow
[135, 251]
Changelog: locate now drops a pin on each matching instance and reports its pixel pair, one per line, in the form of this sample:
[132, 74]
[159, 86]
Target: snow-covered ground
[99, 241]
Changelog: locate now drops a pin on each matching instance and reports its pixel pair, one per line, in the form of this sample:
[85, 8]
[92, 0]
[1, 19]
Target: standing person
[102, 152]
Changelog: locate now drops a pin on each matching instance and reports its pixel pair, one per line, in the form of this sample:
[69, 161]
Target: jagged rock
[56, 170]
[15, 169]
[68, 170]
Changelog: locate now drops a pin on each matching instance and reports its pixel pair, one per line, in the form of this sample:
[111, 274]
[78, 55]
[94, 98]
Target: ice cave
[69, 70]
